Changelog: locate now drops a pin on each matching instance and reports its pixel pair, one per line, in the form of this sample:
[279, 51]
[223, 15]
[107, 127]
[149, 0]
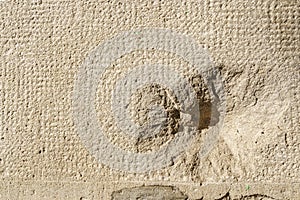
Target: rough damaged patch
[154, 115]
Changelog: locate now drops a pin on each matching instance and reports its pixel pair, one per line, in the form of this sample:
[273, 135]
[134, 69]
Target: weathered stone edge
[103, 190]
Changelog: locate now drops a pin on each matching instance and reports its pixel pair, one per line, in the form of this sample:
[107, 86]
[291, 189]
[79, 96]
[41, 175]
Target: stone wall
[149, 99]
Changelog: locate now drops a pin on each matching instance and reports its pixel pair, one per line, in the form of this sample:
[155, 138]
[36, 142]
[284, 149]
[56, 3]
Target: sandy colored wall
[149, 99]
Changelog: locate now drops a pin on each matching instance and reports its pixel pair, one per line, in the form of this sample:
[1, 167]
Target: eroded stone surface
[255, 45]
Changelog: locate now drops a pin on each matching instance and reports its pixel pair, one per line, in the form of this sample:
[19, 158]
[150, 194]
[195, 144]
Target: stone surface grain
[254, 46]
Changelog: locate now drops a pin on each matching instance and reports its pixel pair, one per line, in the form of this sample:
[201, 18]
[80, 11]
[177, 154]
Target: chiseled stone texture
[254, 44]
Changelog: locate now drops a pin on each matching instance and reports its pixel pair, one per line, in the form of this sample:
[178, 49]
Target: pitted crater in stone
[142, 102]
[145, 98]
[103, 138]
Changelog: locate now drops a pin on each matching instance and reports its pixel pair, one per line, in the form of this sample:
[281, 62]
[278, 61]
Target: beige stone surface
[254, 45]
